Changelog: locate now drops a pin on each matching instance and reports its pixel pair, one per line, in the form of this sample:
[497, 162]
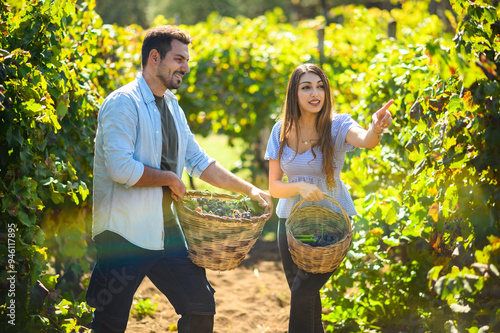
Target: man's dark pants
[121, 267]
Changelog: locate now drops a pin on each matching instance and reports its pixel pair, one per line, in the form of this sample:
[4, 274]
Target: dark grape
[323, 239]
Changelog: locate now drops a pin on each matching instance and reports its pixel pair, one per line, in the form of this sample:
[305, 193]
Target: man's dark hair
[160, 39]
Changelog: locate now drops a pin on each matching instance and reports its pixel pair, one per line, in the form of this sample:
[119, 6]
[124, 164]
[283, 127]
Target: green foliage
[61, 313]
[123, 13]
[144, 307]
[46, 107]
[190, 12]
[428, 198]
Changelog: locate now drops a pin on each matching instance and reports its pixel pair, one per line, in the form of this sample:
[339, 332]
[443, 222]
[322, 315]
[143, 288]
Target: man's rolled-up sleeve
[118, 121]
[197, 160]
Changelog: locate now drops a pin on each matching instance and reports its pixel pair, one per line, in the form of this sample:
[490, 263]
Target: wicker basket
[216, 242]
[314, 220]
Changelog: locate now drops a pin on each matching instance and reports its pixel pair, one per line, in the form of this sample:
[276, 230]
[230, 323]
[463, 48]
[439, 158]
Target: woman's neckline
[308, 150]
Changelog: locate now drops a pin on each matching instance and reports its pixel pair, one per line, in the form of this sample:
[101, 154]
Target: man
[143, 144]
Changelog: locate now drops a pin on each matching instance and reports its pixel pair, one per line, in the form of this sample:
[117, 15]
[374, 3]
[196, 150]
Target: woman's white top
[303, 167]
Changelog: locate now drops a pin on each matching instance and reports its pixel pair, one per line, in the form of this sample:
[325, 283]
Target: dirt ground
[253, 298]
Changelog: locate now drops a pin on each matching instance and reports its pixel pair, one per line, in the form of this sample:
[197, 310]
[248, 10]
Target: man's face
[175, 64]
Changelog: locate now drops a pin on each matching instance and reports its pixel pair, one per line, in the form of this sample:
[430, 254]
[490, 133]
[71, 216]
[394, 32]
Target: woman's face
[311, 93]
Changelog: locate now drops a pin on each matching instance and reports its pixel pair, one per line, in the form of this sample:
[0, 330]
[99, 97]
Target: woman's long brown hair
[291, 115]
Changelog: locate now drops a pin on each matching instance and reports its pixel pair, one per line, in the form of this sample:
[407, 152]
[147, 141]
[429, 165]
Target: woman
[308, 145]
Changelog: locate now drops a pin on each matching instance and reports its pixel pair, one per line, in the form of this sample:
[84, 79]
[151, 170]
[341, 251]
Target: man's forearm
[216, 175]
[154, 177]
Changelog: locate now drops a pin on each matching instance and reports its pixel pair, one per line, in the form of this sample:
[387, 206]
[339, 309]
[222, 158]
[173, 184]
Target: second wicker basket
[313, 220]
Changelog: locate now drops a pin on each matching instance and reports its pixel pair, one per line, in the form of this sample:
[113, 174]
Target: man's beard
[171, 83]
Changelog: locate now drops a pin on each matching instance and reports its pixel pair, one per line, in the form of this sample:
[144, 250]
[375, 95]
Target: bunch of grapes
[323, 239]
[231, 208]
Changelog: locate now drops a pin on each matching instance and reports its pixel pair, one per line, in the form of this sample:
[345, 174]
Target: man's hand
[155, 177]
[178, 188]
[263, 198]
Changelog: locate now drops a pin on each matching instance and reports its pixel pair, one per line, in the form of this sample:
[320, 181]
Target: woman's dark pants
[305, 303]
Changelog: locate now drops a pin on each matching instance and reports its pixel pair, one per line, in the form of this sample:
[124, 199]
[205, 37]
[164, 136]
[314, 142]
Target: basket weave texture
[315, 220]
[214, 242]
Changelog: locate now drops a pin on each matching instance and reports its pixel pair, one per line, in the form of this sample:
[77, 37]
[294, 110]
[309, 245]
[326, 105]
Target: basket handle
[335, 202]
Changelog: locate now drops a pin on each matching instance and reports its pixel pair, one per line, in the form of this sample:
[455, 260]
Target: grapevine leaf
[253, 206]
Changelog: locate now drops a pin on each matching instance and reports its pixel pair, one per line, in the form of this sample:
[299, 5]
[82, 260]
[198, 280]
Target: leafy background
[425, 257]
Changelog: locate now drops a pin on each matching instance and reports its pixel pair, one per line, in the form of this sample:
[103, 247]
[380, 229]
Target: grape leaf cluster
[236, 208]
[323, 239]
